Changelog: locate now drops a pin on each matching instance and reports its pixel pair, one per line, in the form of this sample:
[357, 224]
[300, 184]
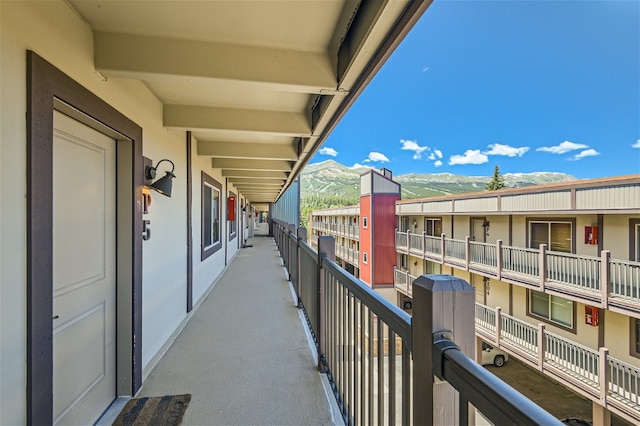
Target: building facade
[556, 270]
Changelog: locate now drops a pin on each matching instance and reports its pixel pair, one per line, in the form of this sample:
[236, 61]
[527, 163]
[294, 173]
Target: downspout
[189, 226]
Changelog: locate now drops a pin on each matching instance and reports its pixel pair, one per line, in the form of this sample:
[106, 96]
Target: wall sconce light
[164, 184]
[415, 223]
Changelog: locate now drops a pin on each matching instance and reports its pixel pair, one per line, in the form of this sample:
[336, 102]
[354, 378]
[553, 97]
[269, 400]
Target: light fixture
[164, 184]
[415, 223]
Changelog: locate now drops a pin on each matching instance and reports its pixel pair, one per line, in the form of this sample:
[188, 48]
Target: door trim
[48, 88]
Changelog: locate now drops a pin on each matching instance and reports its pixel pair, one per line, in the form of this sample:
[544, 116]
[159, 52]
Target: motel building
[555, 268]
[141, 144]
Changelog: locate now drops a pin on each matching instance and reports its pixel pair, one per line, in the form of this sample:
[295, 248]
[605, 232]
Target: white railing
[572, 358]
[624, 383]
[625, 278]
[485, 317]
[454, 249]
[580, 271]
[433, 245]
[401, 239]
[415, 242]
[520, 261]
[483, 254]
[564, 359]
[519, 333]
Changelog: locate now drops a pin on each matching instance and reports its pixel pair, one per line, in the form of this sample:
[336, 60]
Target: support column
[601, 415]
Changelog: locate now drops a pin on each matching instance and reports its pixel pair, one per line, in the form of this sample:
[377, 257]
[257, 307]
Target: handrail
[497, 401]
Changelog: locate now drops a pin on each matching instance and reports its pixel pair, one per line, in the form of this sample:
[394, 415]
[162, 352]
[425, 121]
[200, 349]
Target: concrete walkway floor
[244, 355]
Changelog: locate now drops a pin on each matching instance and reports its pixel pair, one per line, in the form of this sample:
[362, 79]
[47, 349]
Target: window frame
[550, 220]
[365, 258]
[208, 181]
[634, 339]
[433, 220]
[232, 225]
[530, 313]
[634, 240]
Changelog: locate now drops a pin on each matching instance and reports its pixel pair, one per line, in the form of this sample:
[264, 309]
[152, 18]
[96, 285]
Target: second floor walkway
[244, 355]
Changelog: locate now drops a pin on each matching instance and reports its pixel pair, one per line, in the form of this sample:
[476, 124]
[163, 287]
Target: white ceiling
[244, 76]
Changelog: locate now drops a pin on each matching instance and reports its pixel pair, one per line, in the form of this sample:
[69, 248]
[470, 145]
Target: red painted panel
[365, 239]
[384, 226]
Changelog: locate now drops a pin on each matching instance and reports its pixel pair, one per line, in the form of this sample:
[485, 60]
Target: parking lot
[550, 395]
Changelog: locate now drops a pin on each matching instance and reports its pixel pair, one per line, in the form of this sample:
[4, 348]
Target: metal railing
[365, 346]
[597, 280]
[604, 378]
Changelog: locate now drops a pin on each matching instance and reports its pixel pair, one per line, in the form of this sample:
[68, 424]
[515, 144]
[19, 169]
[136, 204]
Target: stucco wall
[58, 34]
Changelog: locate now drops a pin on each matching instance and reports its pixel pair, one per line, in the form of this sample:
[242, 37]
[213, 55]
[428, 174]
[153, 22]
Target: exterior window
[404, 223]
[210, 216]
[634, 246]
[552, 308]
[432, 267]
[433, 227]
[635, 337]
[365, 257]
[556, 235]
[364, 222]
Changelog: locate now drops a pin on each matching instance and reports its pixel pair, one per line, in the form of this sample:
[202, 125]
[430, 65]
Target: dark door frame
[48, 88]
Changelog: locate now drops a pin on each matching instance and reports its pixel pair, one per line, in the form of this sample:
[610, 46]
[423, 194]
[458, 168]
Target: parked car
[491, 355]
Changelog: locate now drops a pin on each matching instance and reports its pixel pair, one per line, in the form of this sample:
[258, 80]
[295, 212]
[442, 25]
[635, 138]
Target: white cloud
[509, 151]
[586, 153]
[359, 166]
[438, 153]
[565, 146]
[408, 145]
[470, 157]
[438, 163]
[636, 145]
[329, 151]
[425, 69]
[377, 157]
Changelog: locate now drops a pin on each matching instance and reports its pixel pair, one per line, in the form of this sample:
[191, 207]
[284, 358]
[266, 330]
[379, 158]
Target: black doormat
[157, 410]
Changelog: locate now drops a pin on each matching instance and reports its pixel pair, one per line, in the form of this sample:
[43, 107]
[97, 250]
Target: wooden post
[441, 304]
[499, 259]
[467, 251]
[603, 374]
[542, 266]
[326, 250]
[541, 346]
[442, 237]
[498, 324]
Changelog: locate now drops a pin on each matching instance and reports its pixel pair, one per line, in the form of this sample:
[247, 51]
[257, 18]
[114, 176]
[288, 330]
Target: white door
[84, 275]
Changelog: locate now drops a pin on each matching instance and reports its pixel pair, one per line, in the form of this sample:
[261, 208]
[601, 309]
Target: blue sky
[527, 85]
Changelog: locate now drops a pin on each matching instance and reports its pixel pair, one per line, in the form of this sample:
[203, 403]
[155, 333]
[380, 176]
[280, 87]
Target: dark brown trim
[510, 299]
[633, 256]
[189, 223]
[601, 327]
[572, 220]
[600, 224]
[530, 314]
[205, 253]
[632, 338]
[44, 83]
[511, 230]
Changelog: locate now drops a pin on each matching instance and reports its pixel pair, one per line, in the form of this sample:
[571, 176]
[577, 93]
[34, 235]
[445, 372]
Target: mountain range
[331, 179]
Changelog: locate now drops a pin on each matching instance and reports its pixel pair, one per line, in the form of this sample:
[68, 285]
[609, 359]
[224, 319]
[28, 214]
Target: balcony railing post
[442, 238]
[605, 278]
[326, 250]
[467, 251]
[499, 259]
[408, 241]
[434, 299]
[542, 265]
[541, 346]
[603, 375]
[424, 244]
[302, 236]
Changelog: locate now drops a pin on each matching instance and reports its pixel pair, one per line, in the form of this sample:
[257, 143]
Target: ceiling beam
[247, 150]
[142, 57]
[254, 174]
[212, 118]
[266, 181]
[234, 163]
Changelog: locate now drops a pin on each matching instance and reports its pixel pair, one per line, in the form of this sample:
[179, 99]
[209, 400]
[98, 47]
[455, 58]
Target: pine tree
[497, 181]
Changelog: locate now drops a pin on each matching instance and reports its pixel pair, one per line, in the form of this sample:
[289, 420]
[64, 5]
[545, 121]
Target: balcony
[380, 361]
[608, 283]
[337, 229]
[596, 374]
